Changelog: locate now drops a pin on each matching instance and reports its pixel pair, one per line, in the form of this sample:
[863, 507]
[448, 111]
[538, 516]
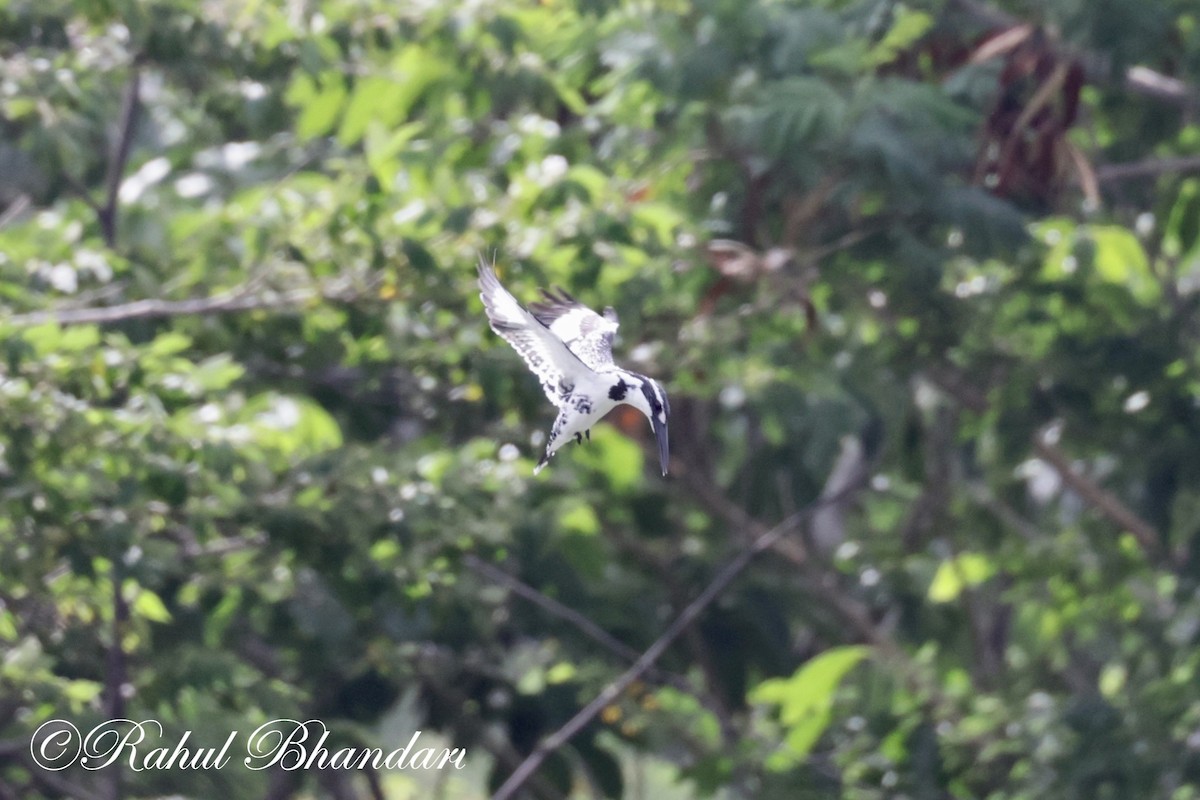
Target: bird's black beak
[664, 452]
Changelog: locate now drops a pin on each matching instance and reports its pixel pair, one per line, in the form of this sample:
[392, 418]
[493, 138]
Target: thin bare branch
[130, 104]
[689, 614]
[84, 194]
[793, 550]
[500, 748]
[281, 784]
[1150, 168]
[666, 571]
[1144, 80]
[56, 783]
[1105, 502]
[374, 784]
[1003, 512]
[570, 615]
[337, 784]
[1085, 172]
[844, 242]
[116, 668]
[228, 303]
[15, 209]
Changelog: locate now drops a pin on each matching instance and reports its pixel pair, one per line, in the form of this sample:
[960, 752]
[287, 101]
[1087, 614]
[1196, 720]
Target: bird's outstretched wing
[544, 352]
[588, 335]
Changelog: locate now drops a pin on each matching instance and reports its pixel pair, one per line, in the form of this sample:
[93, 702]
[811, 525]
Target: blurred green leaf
[320, 102]
[958, 573]
[8, 627]
[150, 606]
[81, 692]
[805, 699]
[1183, 224]
[217, 373]
[618, 458]
[294, 426]
[907, 28]
[1120, 259]
[580, 519]
[415, 69]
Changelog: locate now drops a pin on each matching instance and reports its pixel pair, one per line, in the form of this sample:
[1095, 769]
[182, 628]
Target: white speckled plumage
[568, 347]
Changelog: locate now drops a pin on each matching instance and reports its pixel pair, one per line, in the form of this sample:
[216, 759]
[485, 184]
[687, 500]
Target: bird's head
[648, 397]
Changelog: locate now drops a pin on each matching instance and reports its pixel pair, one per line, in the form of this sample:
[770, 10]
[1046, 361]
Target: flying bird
[569, 348]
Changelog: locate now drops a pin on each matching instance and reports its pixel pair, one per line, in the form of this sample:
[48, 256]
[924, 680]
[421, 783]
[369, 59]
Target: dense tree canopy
[921, 281]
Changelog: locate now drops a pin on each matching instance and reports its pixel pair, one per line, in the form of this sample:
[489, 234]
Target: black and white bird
[569, 347]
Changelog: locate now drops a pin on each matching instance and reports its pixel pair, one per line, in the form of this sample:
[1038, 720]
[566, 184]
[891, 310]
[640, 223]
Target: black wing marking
[588, 335]
[545, 353]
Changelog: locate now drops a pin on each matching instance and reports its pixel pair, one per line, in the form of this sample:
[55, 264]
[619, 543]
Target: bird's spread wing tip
[483, 267]
[544, 352]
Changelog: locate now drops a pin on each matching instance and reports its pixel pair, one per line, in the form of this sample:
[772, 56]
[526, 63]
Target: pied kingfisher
[569, 347]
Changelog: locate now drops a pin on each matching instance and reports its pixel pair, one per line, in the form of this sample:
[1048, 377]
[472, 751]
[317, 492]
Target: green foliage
[958, 573]
[256, 440]
[805, 701]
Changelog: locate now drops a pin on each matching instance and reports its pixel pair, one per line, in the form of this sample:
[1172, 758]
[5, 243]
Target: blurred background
[260, 456]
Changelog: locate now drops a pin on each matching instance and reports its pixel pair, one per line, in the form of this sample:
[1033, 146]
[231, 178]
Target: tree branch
[57, 784]
[1107, 503]
[84, 193]
[1150, 168]
[794, 551]
[232, 302]
[281, 784]
[712, 694]
[1144, 80]
[374, 784]
[1003, 512]
[15, 209]
[570, 615]
[647, 659]
[115, 671]
[119, 157]
[336, 783]
[500, 748]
